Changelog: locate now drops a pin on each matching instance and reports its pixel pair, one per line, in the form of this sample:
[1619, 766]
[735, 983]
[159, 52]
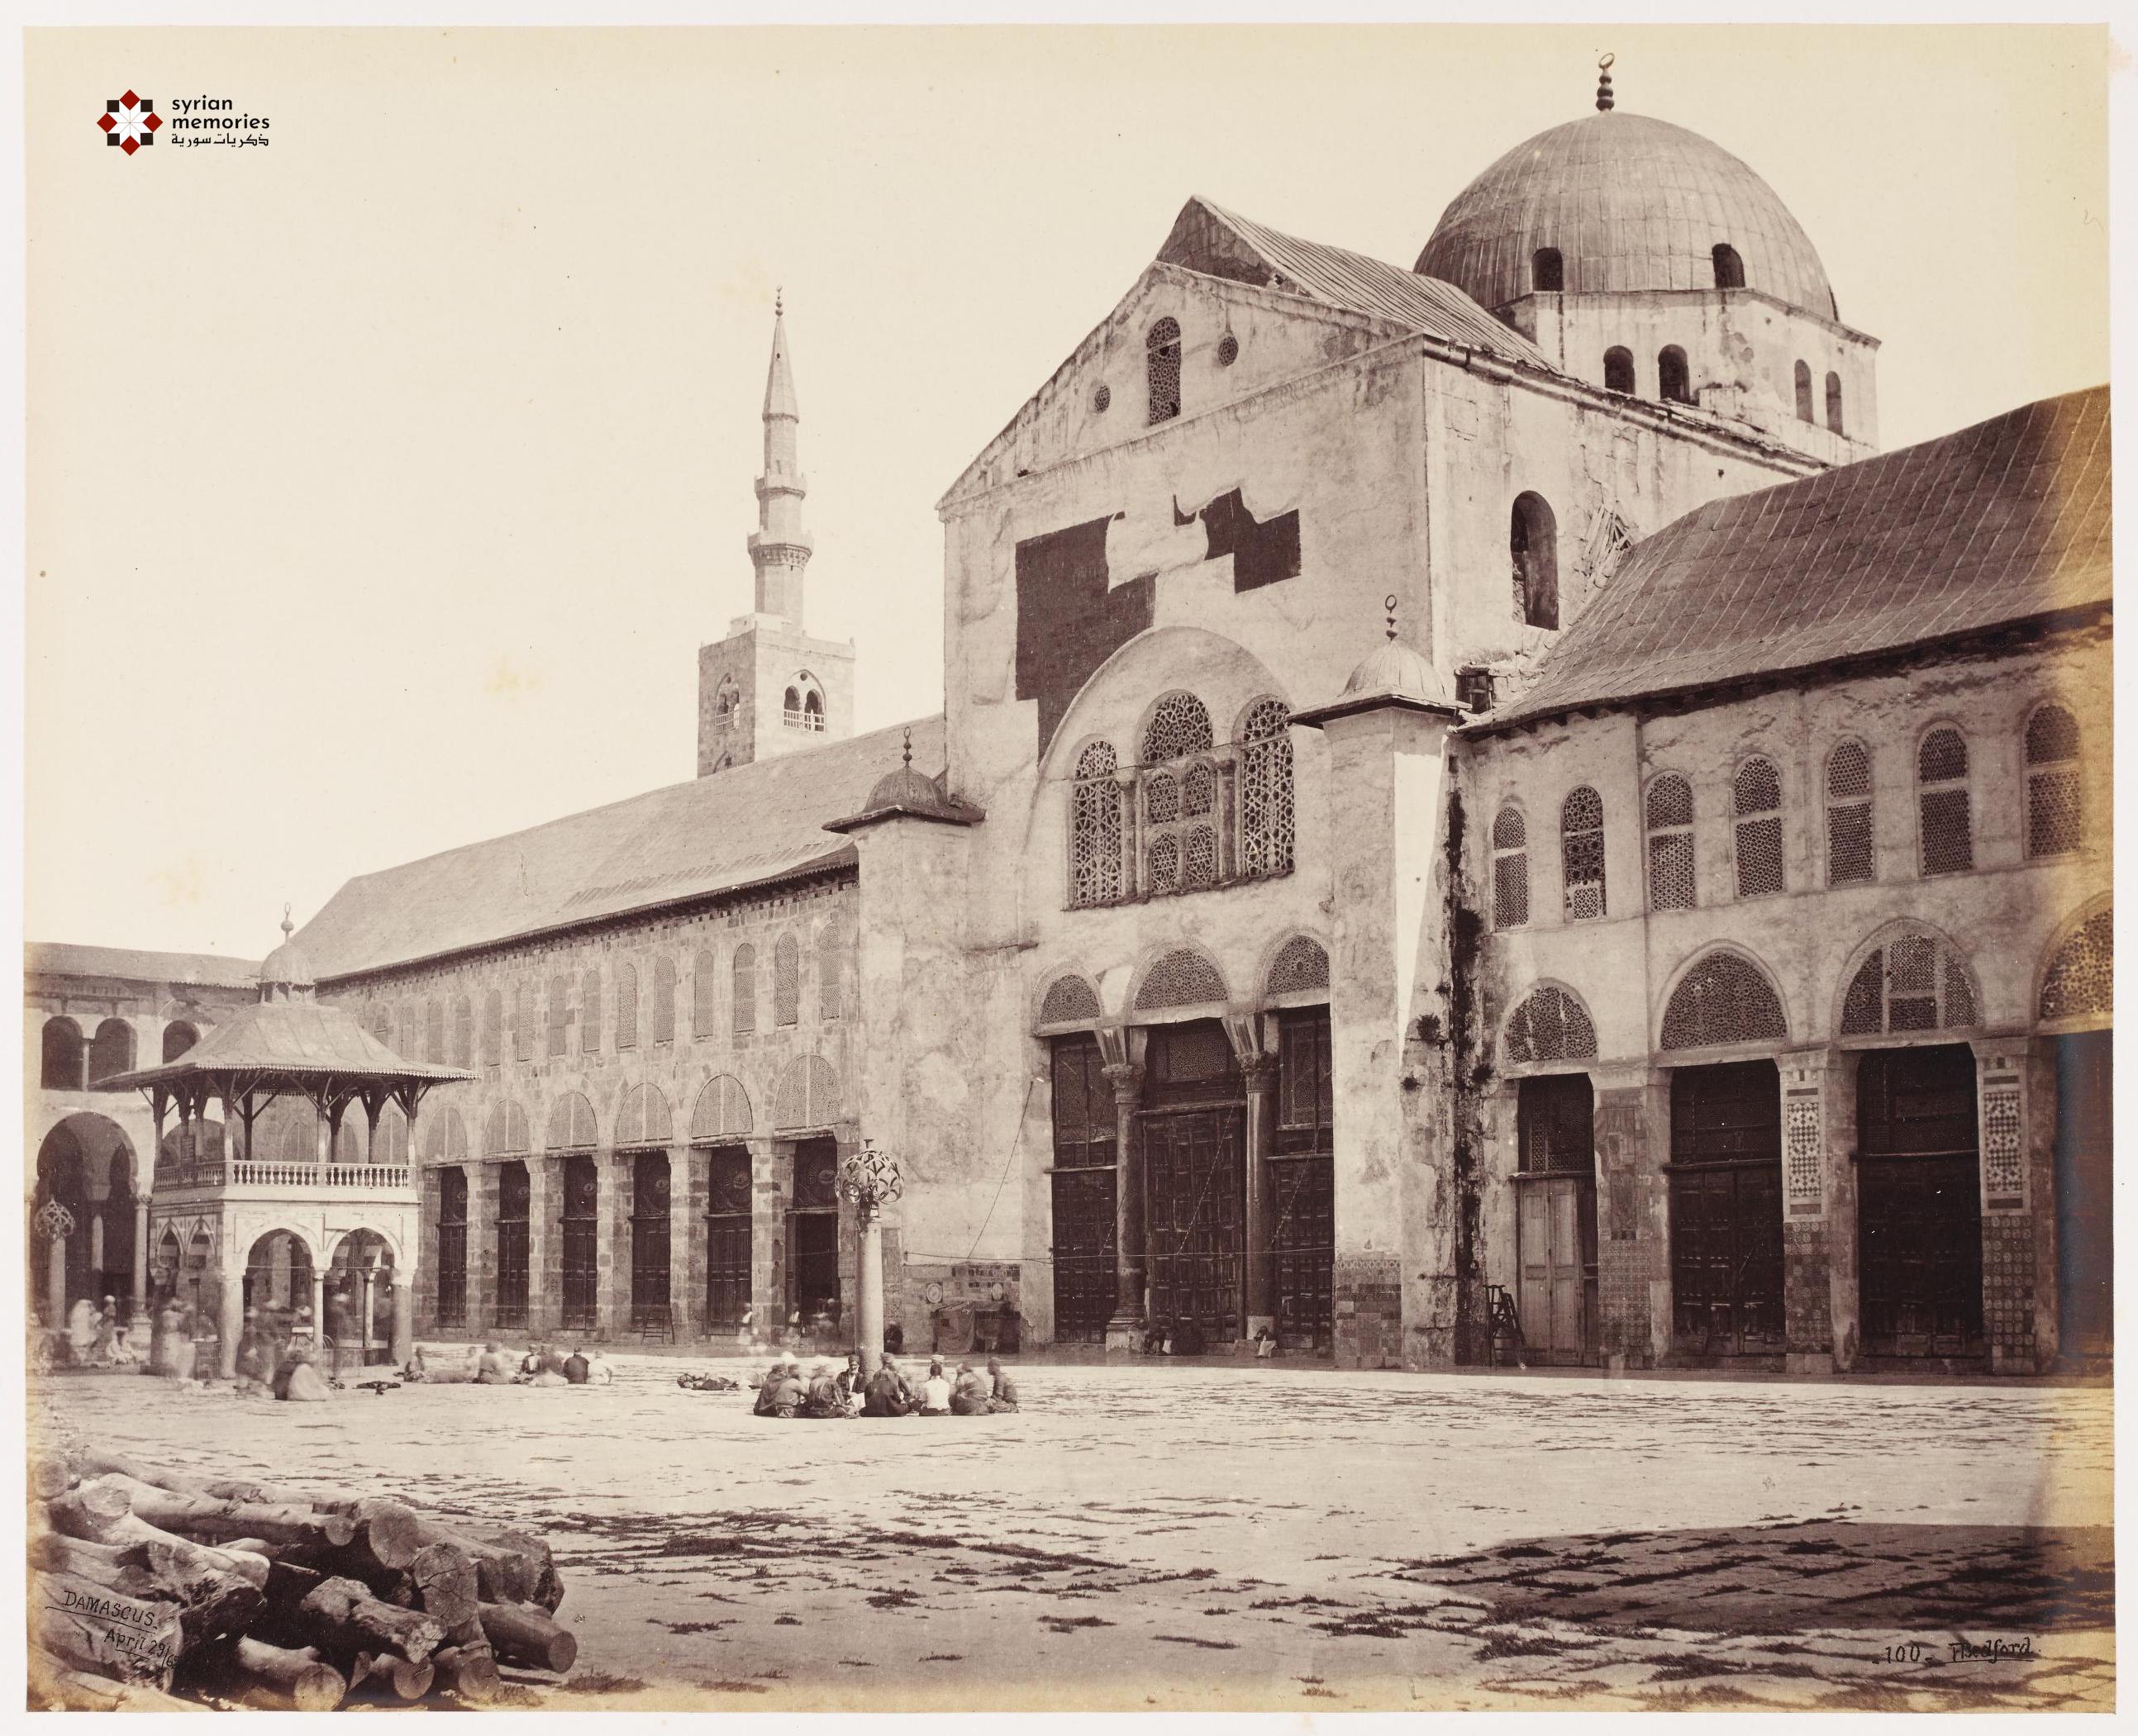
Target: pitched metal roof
[206, 970]
[1998, 524]
[1208, 239]
[290, 1040]
[740, 827]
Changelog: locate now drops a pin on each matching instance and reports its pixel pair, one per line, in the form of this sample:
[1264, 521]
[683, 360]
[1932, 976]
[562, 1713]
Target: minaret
[769, 688]
[780, 549]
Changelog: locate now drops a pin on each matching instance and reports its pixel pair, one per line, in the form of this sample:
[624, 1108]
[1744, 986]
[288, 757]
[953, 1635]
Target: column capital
[1259, 1069]
[1126, 1078]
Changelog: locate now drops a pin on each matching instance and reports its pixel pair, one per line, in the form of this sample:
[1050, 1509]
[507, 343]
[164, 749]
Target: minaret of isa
[767, 687]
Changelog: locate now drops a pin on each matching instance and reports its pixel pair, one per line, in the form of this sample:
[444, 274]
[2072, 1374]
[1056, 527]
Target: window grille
[382, 1025]
[506, 1132]
[434, 1030]
[1672, 882]
[1300, 966]
[1179, 726]
[786, 981]
[807, 1095]
[831, 963]
[1942, 803]
[1198, 866]
[705, 990]
[1198, 791]
[664, 1000]
[721, 1112]
[1228, 350]
[2056, 817]
[1094, 828]
[1554, 1121]
[560, 1012]
[1912, 983]
[1162, 868]
[1180, 979]
[1162, 368]
[627, 1007]
[2081, 977]
[523, 1021]
[1757, 799]
[463, 1032]
[1085, 1122]
[1511, 870]
[1723, 999]
[571, 1125]
[1266, 799]
[493, 1028]
[590, 1011]
[1068, 1000]
[745, 990]
[1850, 859]
[1581, 854]
[1161, 799]
[1550, 1024]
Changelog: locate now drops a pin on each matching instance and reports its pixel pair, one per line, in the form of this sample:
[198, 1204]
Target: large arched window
[1803, 392]
[1094, 828]
[802, 706]
[1533, 543]
[1550, 1024]
[704, 995]
[1757, 800]
[1913, 982]
[1161, 346]
[1728, 268]
[1673, 377]
[1581, 854]
[786, 981]
[434, 1030]
[1943, 810]
[179, 1036]
[523, 1021]
[1266, 812]
[1619, 370]
[1179, 796]
[1672, 882]
[463, 1032]
[2056, 814]
[726, 704]
[743, 1002]
[2080, 980]
[1725, 998]
[1547, 271]
[1833, 402]
[590, 1011]
[112, 1052]
[1511, 869]
[1850, 856]
[560, 1012]
[493, 1028]
[627, 1007]
[664, 1000]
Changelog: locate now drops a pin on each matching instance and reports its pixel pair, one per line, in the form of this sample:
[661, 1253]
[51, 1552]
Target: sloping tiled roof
[739, 827]
[1209, 239]
[1997, 523]
[207, 970]
[288, 1039]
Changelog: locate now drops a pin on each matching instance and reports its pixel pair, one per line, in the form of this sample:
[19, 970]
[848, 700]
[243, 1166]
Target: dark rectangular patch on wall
[1264, 550]
[1068, 622]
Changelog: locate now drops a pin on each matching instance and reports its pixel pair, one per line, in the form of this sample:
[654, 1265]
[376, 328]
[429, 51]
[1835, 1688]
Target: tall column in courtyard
[545, 1274]
[140, 1297]
[319, 1309]
[1259, 1069]
[1125, 1326]
[230, 1324]
[404, 1318]
[613, 1206]
[689, 1171]
[1398, 1205]
[769, 1193]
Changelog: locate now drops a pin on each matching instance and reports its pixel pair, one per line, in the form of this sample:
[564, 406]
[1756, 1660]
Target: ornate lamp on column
[869, 1177]
[56, 1223]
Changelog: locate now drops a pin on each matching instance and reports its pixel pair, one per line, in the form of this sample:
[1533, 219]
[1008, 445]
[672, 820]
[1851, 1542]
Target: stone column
[1807, 1236]
[96, 1247]
[1124, 1330]
[404, 1321]
[56, 1302]
[323, 1140]
[231, 1324]
[545, 1272]
[319, 1309]
[614, 1204]
[1261, 1313]
[771, 1170]
[2011, 1298]
[482, 1249]
[868, 1338]
[689, 1180]
[1131, 831]
[1630, 1122]
[430, 1188]
[364, 1316]
[140, 1298]
[1844, 1292]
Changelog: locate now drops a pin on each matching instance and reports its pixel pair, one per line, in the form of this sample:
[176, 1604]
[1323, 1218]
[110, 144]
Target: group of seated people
[785, 1390]
[92, 1338]
[543, 1366]
[275, 1360]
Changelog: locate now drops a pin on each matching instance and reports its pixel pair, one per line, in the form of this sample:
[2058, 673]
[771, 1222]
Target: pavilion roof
[298, 1041]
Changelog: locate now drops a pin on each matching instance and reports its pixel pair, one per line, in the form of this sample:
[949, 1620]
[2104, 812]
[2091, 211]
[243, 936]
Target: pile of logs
[154, 1589]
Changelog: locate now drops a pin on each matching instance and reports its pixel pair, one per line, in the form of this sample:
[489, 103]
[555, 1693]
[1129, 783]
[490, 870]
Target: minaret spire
[780, 549]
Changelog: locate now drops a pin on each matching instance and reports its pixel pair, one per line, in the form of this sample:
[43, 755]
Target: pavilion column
[96, 1247]
[1260, 1311]
[322, 1139]
[404, 1320]
[364, 1319]
[140, 1256]
[319, 1309]
[1124, 1330]
[56, 1282]
[371, 1109]
[232, 1322]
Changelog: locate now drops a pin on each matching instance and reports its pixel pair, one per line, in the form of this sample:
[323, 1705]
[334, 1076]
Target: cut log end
[525, 1637]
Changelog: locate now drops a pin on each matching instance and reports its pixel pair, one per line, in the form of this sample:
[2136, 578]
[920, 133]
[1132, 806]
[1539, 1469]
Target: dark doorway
[649, 1241]
[1194, 1131]
[452, 1247]
[513, 1192]
[727, 1236]
[1302, 1181]
[582, 1243]
[1555, 1222]
[1919, 1203]
[1086, 1237]
[813, 1233]
[2086, 1248]
[1725, 1202]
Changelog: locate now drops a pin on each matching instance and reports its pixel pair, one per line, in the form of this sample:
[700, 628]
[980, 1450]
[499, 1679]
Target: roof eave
[1354, 704]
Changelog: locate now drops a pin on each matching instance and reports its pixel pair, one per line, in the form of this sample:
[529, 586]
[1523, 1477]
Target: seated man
[598, 1371]
[552, 1363]
[491, 1369]
[886, 1394]
[935, 1390]
[826, 1400]
[1001, 1393]
[531, 1364]
[790, 1391]
[768, 1384]
[575, 1368]
[969, 1397]
[414, 1369]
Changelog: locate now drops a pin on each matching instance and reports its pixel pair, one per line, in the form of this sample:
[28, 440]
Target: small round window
[1100, 398]
[1228, 350]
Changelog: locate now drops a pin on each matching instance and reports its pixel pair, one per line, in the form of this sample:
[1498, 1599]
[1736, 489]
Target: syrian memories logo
[130, 122]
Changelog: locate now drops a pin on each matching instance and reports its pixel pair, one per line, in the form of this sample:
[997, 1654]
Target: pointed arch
[704, 994]
[1299, 966]
[722, 1111]
[1550, 1024]
[445, 1137]
[1908, 977]
[808, 1096]
[1723, 997]
[2078, 985]
[572, 1123]
[1069, 1000]
[505, 1132]
[1182, 978]
[643, 1118]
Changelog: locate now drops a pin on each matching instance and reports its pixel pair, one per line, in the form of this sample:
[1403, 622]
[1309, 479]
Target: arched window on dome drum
[1581, 854]
[1943, 808]
[1266, 806]
[1094, 828]
[664, 1000]
[786, 981]
[704, 995]
[590, 1011]
[1511, 870]
[1850, 859]
[1673, 377]
[1533, 544]
[1728, 268]
[1162, 368]
[743, 999]
[1756, 799]
[1672, 884]
[1548, 271]
[1833, 402]
[2056, 814]
[1619, 370]
[627, 1007]
[1803, 393]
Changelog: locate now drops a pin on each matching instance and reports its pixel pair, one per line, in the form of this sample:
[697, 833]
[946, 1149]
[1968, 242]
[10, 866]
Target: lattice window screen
[1672, 881]
[722, 1111]
[590, 1011]
[2055, 816]
[1723, 999]
[627, 1007]
[1300, 965]
[1162, 867]
[743, 999]
[1198, 866]
[434, 1031]
[786, 981]
[830, 967]
[1850, 857]
[493, 1028]
[523, 1021]
[1912, 983]
[1511, 870]
[1550, 1026]
[1265, 798]
[1756, 798]
[704, 994]
[2082, 978]
[1094, 828]
[1068, 1000]
[1581, 854]
[808, 1093]
[560, 1012]
[463, 1032]
[1179, 726]
[1180, 979]
[664, 1000]
[1162, 368]
[1942, 803]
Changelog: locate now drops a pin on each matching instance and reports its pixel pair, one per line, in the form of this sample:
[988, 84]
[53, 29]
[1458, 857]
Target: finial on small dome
[289, 928]
[1604, 100]
[1388, 603]
[909, 746]
[778, 300]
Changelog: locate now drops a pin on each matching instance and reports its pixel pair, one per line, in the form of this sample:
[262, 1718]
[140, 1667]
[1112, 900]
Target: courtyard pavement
[1255, 1536]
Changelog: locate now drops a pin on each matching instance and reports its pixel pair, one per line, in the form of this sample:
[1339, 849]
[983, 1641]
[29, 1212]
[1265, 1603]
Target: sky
[384, 480]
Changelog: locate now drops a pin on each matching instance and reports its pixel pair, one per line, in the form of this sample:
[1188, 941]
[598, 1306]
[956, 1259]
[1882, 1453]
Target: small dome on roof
[285, 968]
[1393, 670]
[905, 788]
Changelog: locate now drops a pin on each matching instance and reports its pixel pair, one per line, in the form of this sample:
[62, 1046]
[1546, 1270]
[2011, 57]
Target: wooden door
[2085, 1245]
[649, 1239]
[728, 1287]
[1195, 1185]
[452, 1247]
[582, 1244]
[1919, 1203]
[1303, 1248]
[1556, 1233]
[1725, 1201]
[1086, 1237]
[512, 1227]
